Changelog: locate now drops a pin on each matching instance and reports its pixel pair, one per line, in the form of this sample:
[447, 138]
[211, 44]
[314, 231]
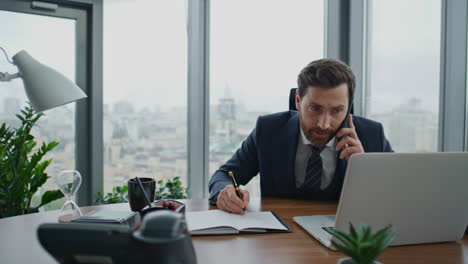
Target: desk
[18, 242]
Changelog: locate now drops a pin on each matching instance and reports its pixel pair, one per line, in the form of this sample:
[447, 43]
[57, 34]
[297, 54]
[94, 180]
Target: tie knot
[315, 150]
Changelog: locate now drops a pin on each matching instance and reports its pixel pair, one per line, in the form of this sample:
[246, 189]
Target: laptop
[424, 196]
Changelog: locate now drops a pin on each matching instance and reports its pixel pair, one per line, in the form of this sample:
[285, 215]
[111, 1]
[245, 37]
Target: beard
[317, 141]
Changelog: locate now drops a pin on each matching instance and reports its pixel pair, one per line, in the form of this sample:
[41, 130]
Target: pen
[236, 187]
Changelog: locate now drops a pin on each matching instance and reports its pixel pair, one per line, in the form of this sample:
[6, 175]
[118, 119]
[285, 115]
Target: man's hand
[229, 202]
[350, 144]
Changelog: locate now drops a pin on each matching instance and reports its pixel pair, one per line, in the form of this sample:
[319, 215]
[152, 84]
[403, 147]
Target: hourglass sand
[68, 181]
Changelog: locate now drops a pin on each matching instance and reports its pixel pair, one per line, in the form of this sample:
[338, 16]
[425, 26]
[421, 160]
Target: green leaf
[367, 235]
[50, 196]
[349, 252]
[352, 231]
[347, 240]
[384, 234]
[20, 118]
[52, 145]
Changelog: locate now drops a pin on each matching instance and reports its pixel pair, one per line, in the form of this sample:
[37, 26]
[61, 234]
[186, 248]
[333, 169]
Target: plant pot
[350, 261]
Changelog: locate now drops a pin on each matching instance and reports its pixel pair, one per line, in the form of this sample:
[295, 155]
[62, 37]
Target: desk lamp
[45, 87]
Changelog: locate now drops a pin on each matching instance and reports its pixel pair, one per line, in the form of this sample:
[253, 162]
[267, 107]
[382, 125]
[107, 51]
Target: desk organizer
[164, 204]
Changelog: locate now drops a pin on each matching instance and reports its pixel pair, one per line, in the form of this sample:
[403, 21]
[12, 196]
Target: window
[51, 41]
[256, 54]
[403, 69]
[145, 90]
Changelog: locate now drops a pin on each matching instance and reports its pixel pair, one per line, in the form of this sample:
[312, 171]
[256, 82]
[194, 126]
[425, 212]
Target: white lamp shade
[45, 87]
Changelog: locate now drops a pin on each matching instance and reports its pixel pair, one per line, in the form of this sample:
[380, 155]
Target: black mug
[136, 197]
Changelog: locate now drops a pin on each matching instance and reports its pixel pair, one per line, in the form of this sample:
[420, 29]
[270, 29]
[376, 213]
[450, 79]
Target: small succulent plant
[361, 245]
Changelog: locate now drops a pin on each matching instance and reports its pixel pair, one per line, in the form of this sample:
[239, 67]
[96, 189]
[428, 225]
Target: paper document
[221, 222]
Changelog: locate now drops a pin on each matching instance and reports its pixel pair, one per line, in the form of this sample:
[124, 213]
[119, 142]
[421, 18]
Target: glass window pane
[256, 55]
[51, 41]
[145, 90]
[403, 68]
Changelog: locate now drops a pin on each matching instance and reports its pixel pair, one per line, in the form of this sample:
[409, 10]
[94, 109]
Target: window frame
[88, 116]
[198, 97]
[453, 84]
[453, 109]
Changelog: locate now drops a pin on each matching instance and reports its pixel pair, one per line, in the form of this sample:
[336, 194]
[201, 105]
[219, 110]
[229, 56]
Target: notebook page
[259, 220]
[208, 219]
[217, 218]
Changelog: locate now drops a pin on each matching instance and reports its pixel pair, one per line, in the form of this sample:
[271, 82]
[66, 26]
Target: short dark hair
[326, 73]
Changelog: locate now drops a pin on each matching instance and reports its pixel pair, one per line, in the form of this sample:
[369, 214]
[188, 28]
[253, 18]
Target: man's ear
[298, 101]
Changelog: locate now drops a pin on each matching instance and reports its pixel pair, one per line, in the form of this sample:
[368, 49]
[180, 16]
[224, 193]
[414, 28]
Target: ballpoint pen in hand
[236, 187]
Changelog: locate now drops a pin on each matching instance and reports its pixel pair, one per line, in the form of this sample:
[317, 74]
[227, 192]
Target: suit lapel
[285, 175]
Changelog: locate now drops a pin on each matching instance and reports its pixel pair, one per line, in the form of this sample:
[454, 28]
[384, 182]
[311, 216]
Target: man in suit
[304, 153]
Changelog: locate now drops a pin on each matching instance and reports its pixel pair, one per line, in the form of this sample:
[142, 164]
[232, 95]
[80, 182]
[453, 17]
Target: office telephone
[162, 238]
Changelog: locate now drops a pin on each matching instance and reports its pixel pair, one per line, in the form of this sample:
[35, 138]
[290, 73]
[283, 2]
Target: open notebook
[217, 222]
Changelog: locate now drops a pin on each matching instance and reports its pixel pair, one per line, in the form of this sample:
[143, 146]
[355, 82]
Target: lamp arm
[6, 77]
[6, 55]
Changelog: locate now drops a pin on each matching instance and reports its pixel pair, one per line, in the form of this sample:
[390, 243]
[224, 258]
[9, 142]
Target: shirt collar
[305, 141]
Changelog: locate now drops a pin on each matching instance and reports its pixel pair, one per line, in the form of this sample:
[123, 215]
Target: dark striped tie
[313, 172]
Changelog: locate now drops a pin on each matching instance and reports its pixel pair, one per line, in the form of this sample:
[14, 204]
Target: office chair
[292, 99]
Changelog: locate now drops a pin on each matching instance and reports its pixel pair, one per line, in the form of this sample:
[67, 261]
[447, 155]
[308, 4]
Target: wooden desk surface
[19, 244]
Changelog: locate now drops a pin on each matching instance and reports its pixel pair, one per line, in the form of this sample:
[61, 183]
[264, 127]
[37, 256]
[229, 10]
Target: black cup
[136, 198]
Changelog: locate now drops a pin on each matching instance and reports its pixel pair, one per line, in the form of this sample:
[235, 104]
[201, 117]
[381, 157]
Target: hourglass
[68, 181]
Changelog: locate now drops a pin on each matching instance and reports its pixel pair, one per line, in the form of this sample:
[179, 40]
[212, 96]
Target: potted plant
[171, 189]
[361, 246]
[119, 194]
[22, 172]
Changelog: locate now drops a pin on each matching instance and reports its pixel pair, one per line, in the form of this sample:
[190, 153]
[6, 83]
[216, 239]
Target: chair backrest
[292, 99]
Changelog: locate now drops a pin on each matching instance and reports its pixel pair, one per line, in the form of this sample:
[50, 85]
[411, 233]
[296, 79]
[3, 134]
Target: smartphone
[345, 123]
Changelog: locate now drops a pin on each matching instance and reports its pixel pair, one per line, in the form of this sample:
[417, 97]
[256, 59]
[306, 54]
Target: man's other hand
[230, 202]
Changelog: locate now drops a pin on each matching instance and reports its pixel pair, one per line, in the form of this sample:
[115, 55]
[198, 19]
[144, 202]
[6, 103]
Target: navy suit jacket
[271, 150]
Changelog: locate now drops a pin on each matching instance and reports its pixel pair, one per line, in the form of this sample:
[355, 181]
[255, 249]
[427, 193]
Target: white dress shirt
[328, 155]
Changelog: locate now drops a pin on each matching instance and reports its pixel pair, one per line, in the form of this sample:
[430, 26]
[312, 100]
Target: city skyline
[144, 142]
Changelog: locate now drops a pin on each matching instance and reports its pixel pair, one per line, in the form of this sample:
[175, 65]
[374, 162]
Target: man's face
[321, 112]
